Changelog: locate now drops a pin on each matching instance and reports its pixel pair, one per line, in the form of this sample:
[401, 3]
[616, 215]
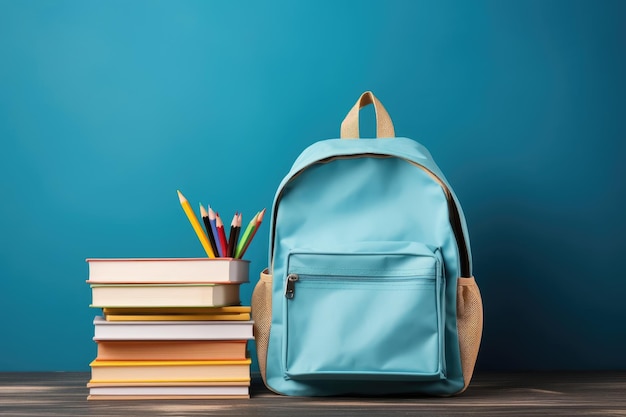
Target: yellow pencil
[196, 225]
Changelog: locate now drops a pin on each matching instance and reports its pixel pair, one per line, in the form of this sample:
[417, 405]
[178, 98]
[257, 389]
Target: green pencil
[244, 237]
[259, 219]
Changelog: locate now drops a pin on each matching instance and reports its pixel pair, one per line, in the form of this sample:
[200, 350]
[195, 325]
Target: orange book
[168, 350]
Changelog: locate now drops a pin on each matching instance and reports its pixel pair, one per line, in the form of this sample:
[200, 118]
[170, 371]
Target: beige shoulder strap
[384, 125]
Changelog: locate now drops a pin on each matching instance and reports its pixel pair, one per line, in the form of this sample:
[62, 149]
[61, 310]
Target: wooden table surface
[492, 394]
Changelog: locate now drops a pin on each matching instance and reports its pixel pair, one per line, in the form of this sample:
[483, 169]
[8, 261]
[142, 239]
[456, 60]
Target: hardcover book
[167, 270]
[122, 311]
[167, 392]
[167, 350]
[164, 371]
[164, 295]
[172, 330]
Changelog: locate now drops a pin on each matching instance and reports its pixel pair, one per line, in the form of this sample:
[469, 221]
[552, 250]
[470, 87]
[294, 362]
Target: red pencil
[222, 235]
[259, 219]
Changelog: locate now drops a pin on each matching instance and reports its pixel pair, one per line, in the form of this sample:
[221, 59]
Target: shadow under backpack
[369, 289]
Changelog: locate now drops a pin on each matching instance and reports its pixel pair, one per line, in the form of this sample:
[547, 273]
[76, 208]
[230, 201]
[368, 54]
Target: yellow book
[175, 310]
[162, 371]
[175, 317]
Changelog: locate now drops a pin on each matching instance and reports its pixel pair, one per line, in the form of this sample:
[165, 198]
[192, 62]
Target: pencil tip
[181, 197]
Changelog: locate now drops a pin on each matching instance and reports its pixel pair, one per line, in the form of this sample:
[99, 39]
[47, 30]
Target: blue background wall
[106, 108]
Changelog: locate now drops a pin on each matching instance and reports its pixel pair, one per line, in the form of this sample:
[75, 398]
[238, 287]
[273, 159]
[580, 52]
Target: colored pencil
[259, 219]
[237, 233]
[244, 236]
[232, 238]
[212, 220]
[196, 225]
[222, 236]
[207, 226]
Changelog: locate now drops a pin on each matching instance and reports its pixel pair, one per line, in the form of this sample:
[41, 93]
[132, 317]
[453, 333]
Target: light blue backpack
[369, 288]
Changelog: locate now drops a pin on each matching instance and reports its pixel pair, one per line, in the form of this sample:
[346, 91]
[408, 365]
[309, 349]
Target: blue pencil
[212, 220]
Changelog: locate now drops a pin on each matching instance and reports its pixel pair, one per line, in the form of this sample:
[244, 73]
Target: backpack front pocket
[365, 313]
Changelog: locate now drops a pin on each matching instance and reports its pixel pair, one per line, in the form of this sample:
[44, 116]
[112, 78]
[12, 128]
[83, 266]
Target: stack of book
[170, 328]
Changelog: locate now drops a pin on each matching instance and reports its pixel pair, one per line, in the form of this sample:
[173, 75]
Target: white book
[171, 390]
[168, 392]
[172, 330]
[167, 270]
[164, 295]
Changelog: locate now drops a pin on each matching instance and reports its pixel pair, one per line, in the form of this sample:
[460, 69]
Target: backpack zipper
[453, 211]
[290, 288]
[293, 278]
[455, 222]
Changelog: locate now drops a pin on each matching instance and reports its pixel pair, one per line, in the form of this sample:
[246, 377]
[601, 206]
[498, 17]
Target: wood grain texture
[511, 394]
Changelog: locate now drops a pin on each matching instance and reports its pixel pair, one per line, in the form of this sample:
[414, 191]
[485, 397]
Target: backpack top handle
[350, 125]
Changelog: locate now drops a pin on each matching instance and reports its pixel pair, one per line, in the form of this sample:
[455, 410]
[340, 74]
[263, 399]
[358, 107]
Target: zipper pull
[290, 288]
